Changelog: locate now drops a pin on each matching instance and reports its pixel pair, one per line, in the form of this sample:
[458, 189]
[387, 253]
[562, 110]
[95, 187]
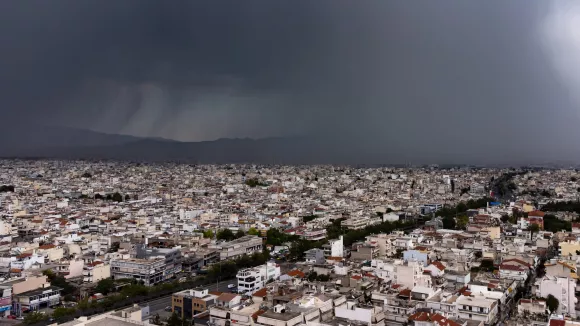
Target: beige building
[96, 271]
[569, 248]
[51, 252]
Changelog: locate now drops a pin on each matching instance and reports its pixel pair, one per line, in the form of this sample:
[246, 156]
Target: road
[158, 306]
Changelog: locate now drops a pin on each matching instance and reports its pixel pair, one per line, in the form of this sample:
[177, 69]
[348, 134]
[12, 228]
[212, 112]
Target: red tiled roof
[512, 268]
[537, 213]
[48, 246]
[296, 273]
[435, 318]
[356, 277]
[257, 313]
[405, 293]
[261, 293]
[439, 266]
[227, 297]
[557, 322]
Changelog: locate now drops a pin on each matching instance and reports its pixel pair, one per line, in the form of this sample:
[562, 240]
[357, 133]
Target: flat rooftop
[286, 316]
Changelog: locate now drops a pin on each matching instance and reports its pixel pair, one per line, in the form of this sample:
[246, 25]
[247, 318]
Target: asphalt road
[158, 306]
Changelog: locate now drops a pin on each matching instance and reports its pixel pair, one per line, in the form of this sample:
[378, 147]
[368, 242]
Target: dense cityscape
[113, 243]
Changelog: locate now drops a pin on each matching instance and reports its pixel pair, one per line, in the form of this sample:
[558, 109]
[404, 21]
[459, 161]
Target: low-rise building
[189, 303]
[250, 280]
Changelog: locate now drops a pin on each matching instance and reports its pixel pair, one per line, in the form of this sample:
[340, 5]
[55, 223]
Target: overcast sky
[498, 75]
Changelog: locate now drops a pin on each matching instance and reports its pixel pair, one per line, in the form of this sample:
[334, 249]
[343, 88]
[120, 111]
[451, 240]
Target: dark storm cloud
[458, 79]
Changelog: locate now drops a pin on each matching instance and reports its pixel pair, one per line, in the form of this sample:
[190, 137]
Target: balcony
[475, 311]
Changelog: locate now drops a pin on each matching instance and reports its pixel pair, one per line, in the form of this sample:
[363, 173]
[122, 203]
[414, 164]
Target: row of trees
[6, 188]
[456, 216]
[115, 197]
[276, 237]
[229, 235]
[255, 182]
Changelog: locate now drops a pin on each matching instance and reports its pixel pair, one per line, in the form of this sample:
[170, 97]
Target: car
[168, 308]
[11, 317]
[231, 286]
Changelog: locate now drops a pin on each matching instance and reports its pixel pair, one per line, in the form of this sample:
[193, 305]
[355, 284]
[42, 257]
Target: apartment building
[157, 265]
[384, 243]
[562, 288]
[96, 271]
[363, 251]
[189, 303]
[410, 274]
[314, 256]
[314, 234]
[229, 309]
[357, 223]
[253, 279]
[334, 248]
[36, 299]
[245, 245]
[477, 308]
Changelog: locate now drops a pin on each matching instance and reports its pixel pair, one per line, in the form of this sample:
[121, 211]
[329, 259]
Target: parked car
[168, 308]
[231, 286]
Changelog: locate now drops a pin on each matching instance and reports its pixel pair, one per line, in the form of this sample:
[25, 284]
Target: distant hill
[70, 143]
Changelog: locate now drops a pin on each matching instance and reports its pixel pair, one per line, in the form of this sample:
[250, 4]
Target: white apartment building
[477, 308]
[253, 279]
[355, 223]
[563, 289]
[334, 248]
[410, 274]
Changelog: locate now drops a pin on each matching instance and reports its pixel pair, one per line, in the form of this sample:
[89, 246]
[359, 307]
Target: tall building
[253, 279]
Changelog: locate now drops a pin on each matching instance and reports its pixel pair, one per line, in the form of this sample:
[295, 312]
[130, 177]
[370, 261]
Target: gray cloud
[455, 78]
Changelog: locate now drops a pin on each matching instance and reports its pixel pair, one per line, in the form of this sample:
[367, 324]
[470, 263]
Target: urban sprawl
[119, 243]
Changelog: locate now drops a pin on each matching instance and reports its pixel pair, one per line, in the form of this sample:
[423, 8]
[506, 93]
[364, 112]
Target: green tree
[117, 197]
[462, 221]
[552, 303]
[226, 234]
[505, 218]
[105, 286]
[448, 223]
[175, 320]
[309, 218]
[240, 233]
[533, 228]
[60, 281]
[487, 264]
[312, 276]
[127, 197]
[208, 234]
[34, 318]
[61, 312]
[253, 231]
[156, 320]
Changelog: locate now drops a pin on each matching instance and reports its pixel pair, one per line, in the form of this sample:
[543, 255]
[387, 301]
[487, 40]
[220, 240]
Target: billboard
[5, 301]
